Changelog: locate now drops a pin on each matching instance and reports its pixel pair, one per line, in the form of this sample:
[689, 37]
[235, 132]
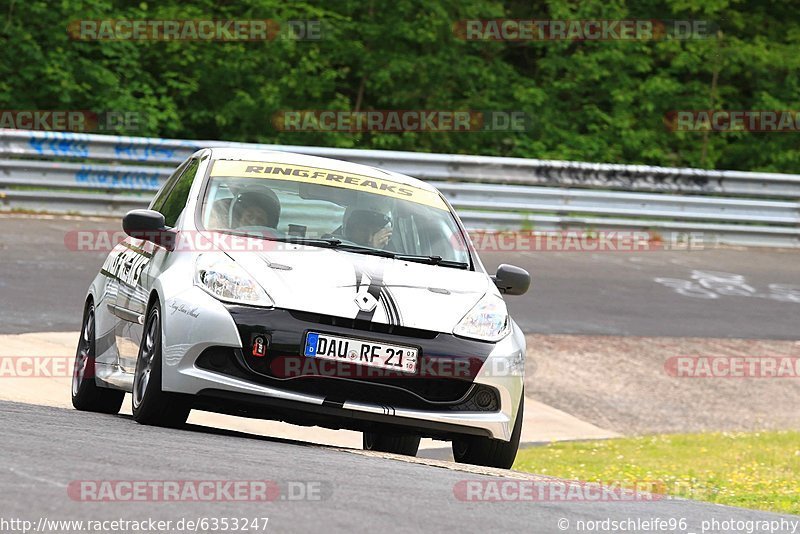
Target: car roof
[275, 156]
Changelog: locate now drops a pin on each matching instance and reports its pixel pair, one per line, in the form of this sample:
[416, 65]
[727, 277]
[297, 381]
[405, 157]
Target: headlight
[224, 279]
[487, 320]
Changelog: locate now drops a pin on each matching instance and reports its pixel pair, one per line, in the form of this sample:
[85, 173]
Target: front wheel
[489, 452]
[407, 444]
[151, 405]
[86, 394]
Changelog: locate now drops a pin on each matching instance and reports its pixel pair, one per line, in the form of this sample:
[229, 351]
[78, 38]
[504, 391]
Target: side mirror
[148, 225]
[512, 280]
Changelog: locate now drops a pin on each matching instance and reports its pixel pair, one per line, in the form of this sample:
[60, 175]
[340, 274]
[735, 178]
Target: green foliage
[599, 101]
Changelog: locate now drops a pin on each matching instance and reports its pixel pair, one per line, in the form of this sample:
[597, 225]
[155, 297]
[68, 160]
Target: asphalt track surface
[51, 447]
[43, 283]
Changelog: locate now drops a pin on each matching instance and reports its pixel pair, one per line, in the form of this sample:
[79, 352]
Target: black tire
[87, 396]
[407, 444]
[151, 405]
[489, 452]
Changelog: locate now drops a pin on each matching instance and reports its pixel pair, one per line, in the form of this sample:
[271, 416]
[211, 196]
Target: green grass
[759, 470]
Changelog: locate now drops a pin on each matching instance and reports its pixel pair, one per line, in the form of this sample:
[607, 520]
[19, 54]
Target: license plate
[361, 352]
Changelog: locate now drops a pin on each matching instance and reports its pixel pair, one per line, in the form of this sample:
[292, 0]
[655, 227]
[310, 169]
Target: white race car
[314, 291]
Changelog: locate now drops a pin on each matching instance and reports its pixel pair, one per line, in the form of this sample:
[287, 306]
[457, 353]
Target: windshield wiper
[432, 260]
[338, 244]
[331, 243]
[365, 250]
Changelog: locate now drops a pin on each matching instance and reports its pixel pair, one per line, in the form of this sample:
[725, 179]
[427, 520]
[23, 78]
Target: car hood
[358, 286]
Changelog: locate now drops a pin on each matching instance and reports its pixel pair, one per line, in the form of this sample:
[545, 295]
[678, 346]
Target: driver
[256, 208]
[367, 227]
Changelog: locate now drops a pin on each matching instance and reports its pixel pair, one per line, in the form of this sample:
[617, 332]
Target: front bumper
[222, 376]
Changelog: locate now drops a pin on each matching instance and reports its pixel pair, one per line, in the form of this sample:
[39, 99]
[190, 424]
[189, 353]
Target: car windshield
[308, 204]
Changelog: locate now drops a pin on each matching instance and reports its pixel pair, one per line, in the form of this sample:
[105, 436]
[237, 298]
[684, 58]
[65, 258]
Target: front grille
[412, 393]
[447, 364]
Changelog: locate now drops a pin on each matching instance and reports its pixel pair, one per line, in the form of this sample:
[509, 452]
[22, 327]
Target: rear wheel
[86, 394]
[489, 452]
[151, 405]
[407, 444]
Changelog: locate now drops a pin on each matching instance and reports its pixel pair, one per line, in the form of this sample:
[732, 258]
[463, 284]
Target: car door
[135, 263]
[109, 317]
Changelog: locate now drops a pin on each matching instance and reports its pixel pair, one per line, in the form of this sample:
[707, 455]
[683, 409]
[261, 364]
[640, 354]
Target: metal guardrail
[107, 175]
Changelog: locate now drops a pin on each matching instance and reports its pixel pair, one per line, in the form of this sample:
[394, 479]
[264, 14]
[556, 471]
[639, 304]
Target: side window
[162, 194]
[176, 199]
